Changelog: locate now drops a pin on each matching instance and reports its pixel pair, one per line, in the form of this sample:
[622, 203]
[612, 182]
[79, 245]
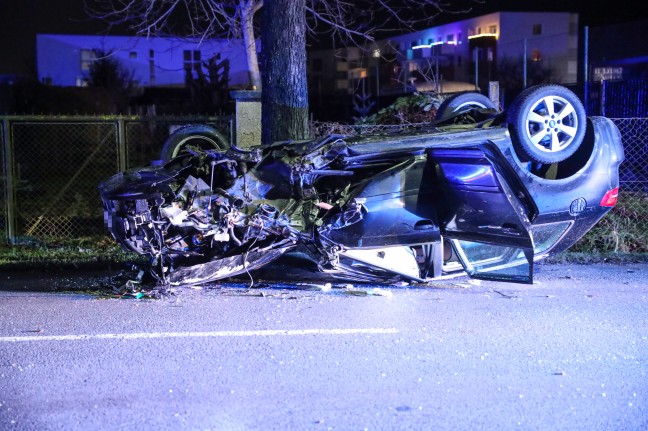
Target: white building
[448, 53]
[64, 60]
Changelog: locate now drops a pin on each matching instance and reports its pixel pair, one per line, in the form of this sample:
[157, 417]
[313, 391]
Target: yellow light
[475, 36]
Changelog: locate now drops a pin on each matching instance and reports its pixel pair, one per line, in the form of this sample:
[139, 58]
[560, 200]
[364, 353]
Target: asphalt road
[567, 353]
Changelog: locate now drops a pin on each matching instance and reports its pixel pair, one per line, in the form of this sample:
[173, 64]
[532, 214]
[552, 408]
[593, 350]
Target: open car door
[479, 211]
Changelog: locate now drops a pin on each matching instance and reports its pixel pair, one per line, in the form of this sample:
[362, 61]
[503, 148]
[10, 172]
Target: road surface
[569, 352]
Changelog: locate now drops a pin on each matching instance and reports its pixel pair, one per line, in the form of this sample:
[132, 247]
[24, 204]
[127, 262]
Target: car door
[479, 209]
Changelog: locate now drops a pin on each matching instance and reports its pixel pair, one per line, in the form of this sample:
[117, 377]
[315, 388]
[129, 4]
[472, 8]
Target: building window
[430, 41]
[535, 55]
[459, 37]
[492, 29]
[191, 60]
[450, 39]
[87, 57]
[537, 29]
[132, 55]
[478, 30]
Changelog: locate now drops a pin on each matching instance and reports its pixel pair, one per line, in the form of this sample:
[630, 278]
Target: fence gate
[53, 165]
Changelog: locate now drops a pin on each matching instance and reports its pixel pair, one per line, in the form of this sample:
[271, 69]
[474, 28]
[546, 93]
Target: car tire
[192, 138]
[463, 101]
[547, 123]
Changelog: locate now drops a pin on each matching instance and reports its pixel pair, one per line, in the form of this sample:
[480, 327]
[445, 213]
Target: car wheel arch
[196, 136]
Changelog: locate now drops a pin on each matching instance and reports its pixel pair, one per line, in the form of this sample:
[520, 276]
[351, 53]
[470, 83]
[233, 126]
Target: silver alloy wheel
[551, 124]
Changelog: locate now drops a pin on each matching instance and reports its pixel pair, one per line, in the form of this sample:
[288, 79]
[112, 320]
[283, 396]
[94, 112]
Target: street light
[476, 56]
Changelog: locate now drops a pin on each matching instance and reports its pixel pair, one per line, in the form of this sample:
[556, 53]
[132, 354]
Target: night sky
[21, 20]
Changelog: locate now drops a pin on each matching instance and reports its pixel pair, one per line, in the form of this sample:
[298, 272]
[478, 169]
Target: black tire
[192, 138]
[462, 102]
[547, 123]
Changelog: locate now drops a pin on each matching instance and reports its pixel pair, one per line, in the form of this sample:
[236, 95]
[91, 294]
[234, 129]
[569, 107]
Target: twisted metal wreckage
[480, 190]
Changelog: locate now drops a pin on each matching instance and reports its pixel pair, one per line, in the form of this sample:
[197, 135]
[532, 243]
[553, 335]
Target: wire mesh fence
[52, 166]
[3, 182]
[56, 169]
[628, 223]
[634, 170]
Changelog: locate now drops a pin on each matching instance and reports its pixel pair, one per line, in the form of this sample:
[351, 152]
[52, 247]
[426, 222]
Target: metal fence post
[10, 192]
[524, 64]
[585, 69]
[121, 145]
[602, 97]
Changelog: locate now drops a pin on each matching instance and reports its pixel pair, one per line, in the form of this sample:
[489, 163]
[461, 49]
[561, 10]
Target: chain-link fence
[628, 222]
[52, 166]
[3, 181]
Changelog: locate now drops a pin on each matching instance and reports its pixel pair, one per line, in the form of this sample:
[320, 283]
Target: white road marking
[257, 333]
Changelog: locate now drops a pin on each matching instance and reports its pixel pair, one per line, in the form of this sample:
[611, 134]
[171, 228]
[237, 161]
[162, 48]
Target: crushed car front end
[388, 207]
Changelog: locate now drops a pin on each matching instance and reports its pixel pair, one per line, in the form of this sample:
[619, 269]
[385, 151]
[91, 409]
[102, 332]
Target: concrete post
[494, 93]
[247, 119]
[10, 192]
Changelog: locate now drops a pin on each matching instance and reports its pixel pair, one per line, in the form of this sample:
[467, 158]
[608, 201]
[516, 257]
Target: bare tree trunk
[285, 93]
[248, 10]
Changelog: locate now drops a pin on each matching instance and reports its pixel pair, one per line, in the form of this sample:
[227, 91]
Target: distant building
[456, 55]
[64, 60]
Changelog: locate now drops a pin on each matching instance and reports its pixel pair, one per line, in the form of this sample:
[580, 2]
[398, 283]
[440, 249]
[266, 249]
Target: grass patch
[84, 252]
[622, 230]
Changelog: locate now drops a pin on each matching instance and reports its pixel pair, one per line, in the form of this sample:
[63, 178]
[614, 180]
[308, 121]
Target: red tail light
[610, 198]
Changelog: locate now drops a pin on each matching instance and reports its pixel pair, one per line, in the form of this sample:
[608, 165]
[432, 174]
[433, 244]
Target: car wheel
[463, 101]
[192, 138]
[547, 123]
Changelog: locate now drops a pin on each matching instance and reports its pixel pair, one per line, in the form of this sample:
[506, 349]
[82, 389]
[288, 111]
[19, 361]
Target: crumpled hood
[142, 183]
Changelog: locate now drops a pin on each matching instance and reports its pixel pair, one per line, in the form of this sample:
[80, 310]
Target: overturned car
[485, 191]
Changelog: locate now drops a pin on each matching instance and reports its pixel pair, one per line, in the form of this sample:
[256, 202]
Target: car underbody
[382, 208]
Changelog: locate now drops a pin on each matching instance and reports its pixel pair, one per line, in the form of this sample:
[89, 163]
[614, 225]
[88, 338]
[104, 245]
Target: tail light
[610, 199]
